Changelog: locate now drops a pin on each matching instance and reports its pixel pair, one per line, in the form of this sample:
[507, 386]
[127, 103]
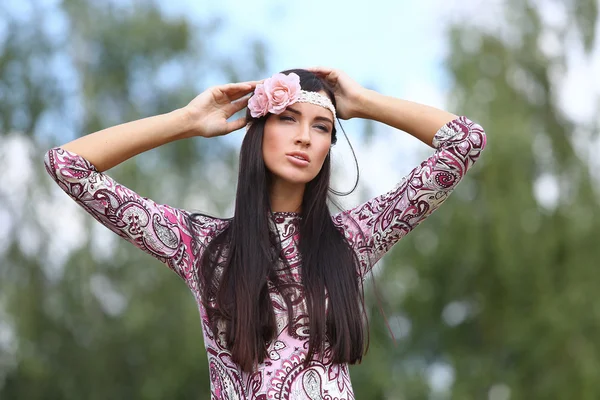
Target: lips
[300, 155]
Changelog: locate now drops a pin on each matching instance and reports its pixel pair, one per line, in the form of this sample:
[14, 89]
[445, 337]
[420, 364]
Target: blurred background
[494, 297]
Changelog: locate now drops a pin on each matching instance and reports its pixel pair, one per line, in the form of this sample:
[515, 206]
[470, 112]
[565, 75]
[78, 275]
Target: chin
[295, 178]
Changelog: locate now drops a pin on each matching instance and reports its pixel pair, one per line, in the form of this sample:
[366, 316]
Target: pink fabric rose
[259, 102]
[282, 91]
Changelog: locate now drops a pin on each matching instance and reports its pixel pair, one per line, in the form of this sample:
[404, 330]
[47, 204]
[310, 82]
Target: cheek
[271, 146]
[322, 150]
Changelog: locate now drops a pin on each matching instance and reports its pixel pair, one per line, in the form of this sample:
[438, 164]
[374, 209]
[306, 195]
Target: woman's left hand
[348, 93]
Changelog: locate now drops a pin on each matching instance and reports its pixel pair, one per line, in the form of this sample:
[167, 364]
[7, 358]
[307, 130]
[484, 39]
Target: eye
[323, 128]
[286, 118]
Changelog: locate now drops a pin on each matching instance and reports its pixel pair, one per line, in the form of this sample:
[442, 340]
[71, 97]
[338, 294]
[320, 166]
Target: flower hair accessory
[278, 92]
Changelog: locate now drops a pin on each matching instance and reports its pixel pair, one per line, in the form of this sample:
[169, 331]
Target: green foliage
[107, 321]
[499, 287]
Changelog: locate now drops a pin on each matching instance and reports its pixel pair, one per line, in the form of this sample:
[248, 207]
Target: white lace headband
[317, 99]
[278, 92]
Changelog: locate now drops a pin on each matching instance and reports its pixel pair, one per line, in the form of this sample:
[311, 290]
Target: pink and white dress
[164, 232]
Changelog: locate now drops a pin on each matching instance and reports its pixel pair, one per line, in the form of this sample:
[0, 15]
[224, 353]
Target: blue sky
[396, 47]
[373, 43]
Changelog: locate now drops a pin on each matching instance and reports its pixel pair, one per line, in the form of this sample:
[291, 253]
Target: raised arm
[419, 120]
[205, 116]
[160, 230]
[374, 227]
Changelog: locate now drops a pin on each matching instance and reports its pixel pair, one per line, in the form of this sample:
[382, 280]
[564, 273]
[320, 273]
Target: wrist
[363, 105]
[185, 121]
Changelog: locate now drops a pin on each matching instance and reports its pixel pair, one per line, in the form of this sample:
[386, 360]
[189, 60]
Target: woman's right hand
[209, 111]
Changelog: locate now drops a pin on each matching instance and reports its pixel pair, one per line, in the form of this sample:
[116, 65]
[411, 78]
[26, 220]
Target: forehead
[313, 109]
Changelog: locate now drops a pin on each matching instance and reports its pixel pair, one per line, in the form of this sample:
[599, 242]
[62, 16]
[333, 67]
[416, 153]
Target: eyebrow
[316, 118]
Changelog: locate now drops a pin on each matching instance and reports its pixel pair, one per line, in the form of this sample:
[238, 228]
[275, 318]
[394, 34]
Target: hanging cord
[342, 194]
[336, 192]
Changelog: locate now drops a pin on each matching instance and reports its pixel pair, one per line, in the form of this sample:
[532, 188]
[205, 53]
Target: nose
[303, 135]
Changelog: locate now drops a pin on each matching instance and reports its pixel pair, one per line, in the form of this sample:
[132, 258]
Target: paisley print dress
[371, 228]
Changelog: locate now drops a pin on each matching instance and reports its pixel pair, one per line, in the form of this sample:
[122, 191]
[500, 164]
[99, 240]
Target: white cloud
[578, 92]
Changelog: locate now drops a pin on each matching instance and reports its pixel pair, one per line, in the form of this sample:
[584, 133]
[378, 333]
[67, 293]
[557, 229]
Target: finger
[237, 124]
[239, 104]
[237, 91]
[233, 88]
[254, 83]
[225, 94]
[241, 85]
[238, 95]
[320, 70]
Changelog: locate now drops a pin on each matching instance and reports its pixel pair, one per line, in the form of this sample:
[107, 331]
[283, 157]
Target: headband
[278, 92]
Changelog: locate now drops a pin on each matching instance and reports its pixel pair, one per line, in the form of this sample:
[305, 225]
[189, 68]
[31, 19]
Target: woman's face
[296, 142]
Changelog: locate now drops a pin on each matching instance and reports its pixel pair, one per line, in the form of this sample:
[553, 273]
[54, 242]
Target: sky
[396, 47]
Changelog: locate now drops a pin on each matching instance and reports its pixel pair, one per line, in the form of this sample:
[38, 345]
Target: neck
[286, 196]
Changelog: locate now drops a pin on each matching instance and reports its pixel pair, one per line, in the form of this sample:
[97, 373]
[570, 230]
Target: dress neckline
[286, 214]
[286, 217]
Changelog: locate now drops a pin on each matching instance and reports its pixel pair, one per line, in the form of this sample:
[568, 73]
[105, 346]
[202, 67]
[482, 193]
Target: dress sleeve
[373, 227]
[160, 230]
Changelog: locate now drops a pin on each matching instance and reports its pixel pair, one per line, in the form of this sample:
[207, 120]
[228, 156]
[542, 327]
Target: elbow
[476, 136]
[50, 162]
[66, 167]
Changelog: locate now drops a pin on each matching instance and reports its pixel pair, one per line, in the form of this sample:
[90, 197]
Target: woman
[278, 285]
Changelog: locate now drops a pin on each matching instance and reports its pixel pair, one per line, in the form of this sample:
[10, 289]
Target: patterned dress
[164, 232]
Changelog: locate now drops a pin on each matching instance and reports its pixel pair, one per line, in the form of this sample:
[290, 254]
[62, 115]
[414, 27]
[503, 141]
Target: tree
[497, 293]
[85, 317]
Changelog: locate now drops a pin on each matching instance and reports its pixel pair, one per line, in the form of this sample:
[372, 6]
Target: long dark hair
[237, 263]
